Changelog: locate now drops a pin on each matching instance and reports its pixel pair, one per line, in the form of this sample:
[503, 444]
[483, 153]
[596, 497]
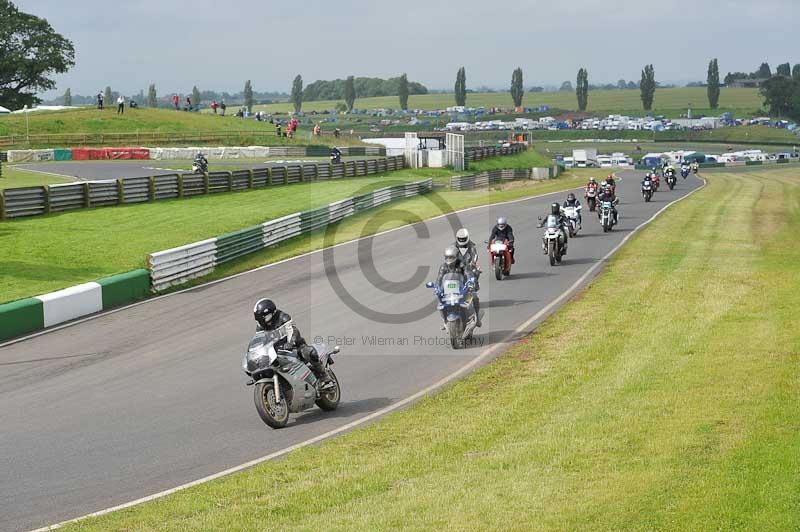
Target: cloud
[219, 45]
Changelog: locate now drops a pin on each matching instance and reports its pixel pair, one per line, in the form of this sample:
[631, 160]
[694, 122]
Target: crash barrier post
[34, 201]
[31, 314]
[178, 265]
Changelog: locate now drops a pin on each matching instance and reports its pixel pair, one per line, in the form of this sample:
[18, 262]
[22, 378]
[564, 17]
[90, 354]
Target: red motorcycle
[500, 256]
[591, 197]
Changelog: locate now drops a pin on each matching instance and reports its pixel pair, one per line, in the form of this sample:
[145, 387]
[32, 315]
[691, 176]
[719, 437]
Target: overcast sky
[218, 45]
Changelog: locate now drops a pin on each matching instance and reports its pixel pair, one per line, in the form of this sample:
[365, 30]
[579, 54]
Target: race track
[153, 396]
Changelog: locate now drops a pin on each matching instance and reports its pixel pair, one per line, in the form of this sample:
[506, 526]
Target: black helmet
[555, 208]
[570, 197]
[264, 311]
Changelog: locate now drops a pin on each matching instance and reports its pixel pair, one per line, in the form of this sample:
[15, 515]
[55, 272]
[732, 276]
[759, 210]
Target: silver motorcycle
[283, 382]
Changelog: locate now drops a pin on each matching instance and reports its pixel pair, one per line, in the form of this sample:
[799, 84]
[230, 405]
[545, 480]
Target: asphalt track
[99, 170]
[141, 400]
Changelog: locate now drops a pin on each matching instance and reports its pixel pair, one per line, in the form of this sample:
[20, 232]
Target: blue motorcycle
[455, 304]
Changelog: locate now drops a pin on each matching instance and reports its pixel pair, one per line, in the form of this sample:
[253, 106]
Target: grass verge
[48, 253]
[682, 414]
[17, 177]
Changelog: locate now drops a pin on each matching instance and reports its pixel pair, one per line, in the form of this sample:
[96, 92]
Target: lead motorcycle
[285, 384]
[455, 305]
[647, 190]
[669, 177]
[607, 215]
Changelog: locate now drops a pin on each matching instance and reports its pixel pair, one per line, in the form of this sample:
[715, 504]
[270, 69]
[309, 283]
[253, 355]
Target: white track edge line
[270, 265]
[569, 292]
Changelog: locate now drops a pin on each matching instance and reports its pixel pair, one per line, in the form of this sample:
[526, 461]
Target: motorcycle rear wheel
[330, 399]
[274, 415]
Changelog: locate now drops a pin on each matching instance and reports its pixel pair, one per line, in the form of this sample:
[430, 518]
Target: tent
[3, 110]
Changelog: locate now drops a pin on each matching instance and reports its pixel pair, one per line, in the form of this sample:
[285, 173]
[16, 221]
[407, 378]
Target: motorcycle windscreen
[451, 283]
[552, 222]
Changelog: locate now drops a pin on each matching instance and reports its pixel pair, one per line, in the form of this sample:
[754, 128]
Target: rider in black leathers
[572, 201]
[503, 231]
[555, 210]
[468, 254]
[452, 264]
[607, 194]
[269, 318]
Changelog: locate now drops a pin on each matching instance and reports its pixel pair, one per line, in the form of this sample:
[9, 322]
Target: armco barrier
[484, 179]
[31, 314]
[472, 154]
[176, 266]
[33, 201]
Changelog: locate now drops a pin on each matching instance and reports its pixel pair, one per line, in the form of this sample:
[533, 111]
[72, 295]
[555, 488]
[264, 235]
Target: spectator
[336, 132]
[100, 98]
[317, 130]
[278, 127]
[175, 101]
[214, 106]
[222, 107]
[120, 104]
[188, 103]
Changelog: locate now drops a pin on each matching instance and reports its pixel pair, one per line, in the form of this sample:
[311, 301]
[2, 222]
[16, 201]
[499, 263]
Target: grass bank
[681, 415]
[670, 102]
[48, 253]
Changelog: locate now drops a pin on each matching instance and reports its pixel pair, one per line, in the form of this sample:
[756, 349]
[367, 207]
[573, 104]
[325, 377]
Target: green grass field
[14, 177]
[680, 415]
[739, 101]
[47, 253]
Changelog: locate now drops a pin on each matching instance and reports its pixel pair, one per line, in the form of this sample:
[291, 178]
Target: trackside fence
[491, 177]
[176, 266]
[40, 200]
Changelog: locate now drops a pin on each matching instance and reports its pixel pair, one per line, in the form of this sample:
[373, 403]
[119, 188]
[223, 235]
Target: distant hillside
[365, 88]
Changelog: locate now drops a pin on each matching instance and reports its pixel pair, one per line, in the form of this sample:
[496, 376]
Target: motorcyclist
[592, 185]
[468, 254]
[336, 155]
[452, 264]
[269, 318]
[201, 161]
[607, 194]
[695, 166]
[610, 181]
[555, 210]
[572, 201]
[647, 180]
[503, 231]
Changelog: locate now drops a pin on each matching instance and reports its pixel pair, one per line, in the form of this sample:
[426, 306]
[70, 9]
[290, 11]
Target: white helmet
[450, 255]
[502, 222]
[462, 237]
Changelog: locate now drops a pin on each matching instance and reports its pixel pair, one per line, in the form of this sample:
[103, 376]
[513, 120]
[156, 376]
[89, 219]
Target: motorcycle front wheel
[551, 252]
[454, 331]
[273, 414]
[330, 399]
[498, 268]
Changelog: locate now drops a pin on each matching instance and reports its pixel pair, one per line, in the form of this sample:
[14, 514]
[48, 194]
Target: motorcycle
[647, 190]
[694, 170]
[336, 157]
[606, 215]
[591, 198]
[670, 179]
[656, 182]
[553, 239]
[571, 213]
[500, 257]
[455, 305]
[684, 172]
[285, 384]
[199, 165]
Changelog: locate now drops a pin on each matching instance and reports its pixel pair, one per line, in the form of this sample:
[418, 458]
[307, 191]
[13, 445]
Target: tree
[108, 97]
[796, 72]
[196, 97]
[350, 93]
[763, 71]
[647, 86]
[68, 96]
[402, 91]
[712, 83]
[517, 90]
[152, 97]
[461, 87]
[784, 70]
[621, 84]
[566, 87]
[297, 93]
[30, 53]
[248, 96]
[582, 89]
[778, 93]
